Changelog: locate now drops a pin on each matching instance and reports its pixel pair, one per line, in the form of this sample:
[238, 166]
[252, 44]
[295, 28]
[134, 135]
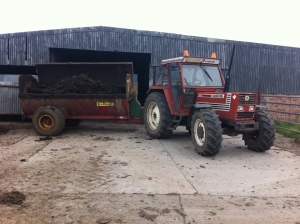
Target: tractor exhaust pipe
[227, 77]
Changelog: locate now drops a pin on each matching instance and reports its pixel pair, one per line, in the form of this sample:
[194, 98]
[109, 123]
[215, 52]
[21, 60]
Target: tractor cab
[195, 71]
[183, 77]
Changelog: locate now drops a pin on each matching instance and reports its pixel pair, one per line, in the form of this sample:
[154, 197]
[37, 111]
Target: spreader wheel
[48, 121]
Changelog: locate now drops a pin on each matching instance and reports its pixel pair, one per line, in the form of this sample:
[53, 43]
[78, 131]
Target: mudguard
[196, 107]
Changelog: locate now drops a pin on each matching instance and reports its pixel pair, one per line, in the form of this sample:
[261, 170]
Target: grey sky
[262, 21]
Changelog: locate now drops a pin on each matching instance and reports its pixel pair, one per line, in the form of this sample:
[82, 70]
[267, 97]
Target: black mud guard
[192, 110]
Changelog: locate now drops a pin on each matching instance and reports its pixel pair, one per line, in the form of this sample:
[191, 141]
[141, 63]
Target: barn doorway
[141, 62]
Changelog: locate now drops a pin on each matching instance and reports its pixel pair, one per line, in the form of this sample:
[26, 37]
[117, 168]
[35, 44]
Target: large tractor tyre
[206, 132]
[261, 140]
[72, 122]
[157, 116]
[48, 121]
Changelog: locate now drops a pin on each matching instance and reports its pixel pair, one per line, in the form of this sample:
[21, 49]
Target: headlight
[240, 108]
[251, 108]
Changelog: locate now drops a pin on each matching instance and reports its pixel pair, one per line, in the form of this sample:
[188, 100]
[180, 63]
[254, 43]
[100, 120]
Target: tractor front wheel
[157, 116]
[48, 121]
[206, 132]
[261, 140]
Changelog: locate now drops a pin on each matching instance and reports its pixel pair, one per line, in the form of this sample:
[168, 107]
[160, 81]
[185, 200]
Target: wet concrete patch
[12, 198]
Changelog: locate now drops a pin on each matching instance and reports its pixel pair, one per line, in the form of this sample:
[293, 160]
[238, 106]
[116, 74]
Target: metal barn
[276, 69]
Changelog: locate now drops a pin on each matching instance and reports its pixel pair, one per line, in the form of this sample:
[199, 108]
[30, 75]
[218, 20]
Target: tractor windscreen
[195, 75]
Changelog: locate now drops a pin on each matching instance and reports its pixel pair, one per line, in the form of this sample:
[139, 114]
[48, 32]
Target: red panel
[225, 107]
[79, 107]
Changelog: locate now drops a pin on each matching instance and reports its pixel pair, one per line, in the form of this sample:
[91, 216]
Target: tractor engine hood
[230, 105]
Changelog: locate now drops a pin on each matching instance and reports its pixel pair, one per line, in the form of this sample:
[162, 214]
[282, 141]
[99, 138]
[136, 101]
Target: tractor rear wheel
[48, 121]
[157, 116]
[206, 132]
[261, 140]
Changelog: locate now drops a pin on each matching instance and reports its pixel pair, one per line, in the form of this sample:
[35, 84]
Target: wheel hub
[199, 132]
[153, 117]
[46, 122]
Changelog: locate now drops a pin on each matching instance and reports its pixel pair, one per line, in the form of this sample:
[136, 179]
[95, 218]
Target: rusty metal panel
[76, 106]
[9, 101]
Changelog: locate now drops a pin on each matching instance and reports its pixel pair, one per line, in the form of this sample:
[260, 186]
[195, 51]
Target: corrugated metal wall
[3, 50]
[17, 46]
[9, 101]
[276, 68]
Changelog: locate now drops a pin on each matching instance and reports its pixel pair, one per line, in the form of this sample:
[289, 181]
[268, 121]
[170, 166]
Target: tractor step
[175, 122]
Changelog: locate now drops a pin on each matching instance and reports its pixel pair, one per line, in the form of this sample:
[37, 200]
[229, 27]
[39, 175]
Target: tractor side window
[174, 75]
[161, 77]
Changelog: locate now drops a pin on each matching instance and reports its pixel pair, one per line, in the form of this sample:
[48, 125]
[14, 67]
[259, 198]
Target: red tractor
[190, 91]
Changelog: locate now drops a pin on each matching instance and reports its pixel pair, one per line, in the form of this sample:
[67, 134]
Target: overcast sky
[261, 21]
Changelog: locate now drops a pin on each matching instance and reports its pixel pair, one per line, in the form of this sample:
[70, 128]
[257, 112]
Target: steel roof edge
[146, 33]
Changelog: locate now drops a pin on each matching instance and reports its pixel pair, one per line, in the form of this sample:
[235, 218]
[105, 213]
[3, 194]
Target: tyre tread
[163, 131]
[266, 140]
[213, 133]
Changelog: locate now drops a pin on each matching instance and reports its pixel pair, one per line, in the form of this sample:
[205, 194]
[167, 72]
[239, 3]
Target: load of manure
[80, 84]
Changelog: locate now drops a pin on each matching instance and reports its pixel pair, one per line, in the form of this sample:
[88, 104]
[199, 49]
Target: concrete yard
[110, 173]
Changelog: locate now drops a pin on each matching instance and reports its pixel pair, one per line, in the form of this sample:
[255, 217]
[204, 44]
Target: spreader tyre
[206, 132]
[157, 116]
[48, 121]
[261, 140]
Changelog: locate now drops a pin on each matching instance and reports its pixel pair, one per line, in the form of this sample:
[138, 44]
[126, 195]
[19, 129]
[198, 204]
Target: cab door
[175, 84]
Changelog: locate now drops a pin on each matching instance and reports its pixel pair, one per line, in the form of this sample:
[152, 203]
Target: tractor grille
[245, 115]
[242, 99]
